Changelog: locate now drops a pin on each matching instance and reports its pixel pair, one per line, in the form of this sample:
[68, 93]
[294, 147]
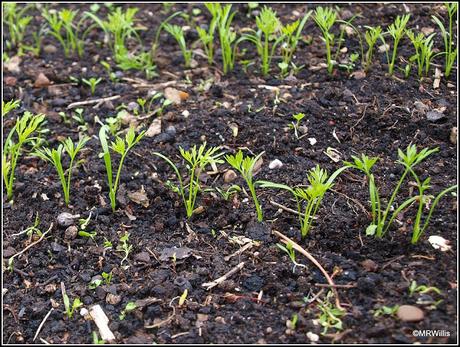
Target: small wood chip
[101, 320]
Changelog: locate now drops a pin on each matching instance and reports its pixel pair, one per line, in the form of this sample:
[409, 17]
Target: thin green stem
[256, 201]
[379, 233]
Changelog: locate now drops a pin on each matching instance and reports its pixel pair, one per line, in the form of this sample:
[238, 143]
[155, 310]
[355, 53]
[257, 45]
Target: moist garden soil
[374, 115]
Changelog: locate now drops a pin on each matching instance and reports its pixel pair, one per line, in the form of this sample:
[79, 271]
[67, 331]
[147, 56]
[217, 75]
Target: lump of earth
[258, 231]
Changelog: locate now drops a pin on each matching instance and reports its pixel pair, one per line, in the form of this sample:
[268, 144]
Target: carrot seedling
[196, 160]
[245, 166]
[54, 156]
[122, 147]
[24, 128]
[311, 196]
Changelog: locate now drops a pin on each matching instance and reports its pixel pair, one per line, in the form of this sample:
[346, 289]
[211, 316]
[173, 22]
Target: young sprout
[424, 201]
[17, 24]
[130, 306]
[229, 192]
[164, 102]
[292, 323]
[207, 39]
[382, 219]
[245, 166]
[124, 247]
[196, 160]
[92, 83]
[311, 197]
[330, 316]
[122, 147]
[372, 34]
[64, 21]
[24, 128]
[94, 283]
[449, 52]
[88, 234]
[178, 33]
[423, 51]
[325, 19]
[422, 289]
[107, 277]
[396, 30]
[54, 156]
[183, 297]
[142, 62]
[141, 102]
[78, 117]
[33, 228]
[70, 310]
[296, 125]
[349, 66]
[107, 244]
[289, 250]
[118, 27]
[37, 37]
[9, 106]
[227, 36]
[94, 336]
[268, 25]
[386, 310]
[291, 37]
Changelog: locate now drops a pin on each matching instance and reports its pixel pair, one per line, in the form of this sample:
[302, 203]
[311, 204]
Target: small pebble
[229, 176]
[71, 233]
[66, 219]
[409, 313]
[133, 106]
[50, 49]
[142, 257]
[434, 116]
[275, 164]
[453, 135]
[312, 337]
[113, 299]
[369, 265]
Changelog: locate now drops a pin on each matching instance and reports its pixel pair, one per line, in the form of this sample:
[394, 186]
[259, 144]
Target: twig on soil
[392, 261]
[338, 336]
[274, 203]
[42, 323]
[353, 200]
[22, 273]
[44, 341]
[216, 282]
[8, 308]
[138, 83]
[352, 129]
[360, 239]
[31, 245]
[241, 250]
[299, 249]
[342, 286]
[49, 280]
[417, 256]
[94, 101]
[180, 334]
[153, 254]
[313, 299]
[167, 320]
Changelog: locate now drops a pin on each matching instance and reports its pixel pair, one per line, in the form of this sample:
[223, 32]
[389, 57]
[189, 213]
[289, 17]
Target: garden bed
[373, 114]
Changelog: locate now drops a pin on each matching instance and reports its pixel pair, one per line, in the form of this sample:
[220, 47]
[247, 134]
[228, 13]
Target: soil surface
[375, 115]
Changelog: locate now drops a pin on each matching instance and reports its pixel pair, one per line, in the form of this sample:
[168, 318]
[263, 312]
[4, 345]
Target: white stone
[275, 164]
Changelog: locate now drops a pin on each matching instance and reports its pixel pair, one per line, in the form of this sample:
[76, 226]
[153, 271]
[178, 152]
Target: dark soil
[375, 115]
